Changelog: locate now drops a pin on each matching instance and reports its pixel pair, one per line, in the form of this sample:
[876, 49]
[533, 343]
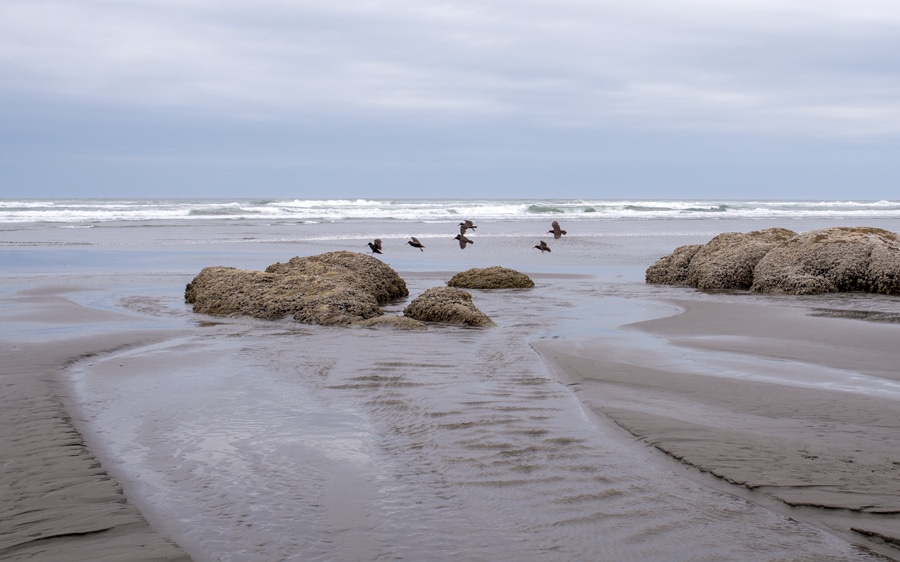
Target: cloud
[760, 66]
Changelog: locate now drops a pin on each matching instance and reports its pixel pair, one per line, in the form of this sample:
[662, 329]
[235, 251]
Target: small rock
[447, 304]
[495, 277]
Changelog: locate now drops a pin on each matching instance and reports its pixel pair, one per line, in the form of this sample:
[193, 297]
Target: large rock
[447, 304]
[495, 277]
[777, 260]
[332, 288]
[673, 269]
[832, 260]
[728, 260]
[359, 270]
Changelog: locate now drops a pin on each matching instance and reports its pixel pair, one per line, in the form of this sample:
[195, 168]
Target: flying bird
[375, 246]
[466, 225]
[416, 244]
[543, 247]
[463, 241]
[557, 231]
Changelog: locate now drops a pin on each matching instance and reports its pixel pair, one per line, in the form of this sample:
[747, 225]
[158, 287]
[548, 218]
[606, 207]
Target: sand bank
[798, 408]
[56, 501]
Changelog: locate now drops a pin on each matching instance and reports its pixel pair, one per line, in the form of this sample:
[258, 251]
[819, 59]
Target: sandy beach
[58, 502]
[828, 451]
[828, 457]
[601, 419]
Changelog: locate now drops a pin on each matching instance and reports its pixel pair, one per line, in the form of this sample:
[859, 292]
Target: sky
[719, 99]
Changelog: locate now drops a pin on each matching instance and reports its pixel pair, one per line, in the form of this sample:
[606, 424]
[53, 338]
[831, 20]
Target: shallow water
[252, 440]
[262, 442]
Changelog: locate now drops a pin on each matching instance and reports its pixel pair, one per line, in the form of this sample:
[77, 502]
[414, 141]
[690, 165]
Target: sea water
[244, 439]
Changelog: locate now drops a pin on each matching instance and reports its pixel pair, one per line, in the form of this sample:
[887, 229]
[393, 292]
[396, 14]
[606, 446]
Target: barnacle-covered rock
[449, 305]
[332, 288]
[495, 277]
[832, 260]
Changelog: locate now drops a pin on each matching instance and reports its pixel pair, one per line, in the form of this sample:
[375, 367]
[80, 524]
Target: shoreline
[58, 502]
[736, 391]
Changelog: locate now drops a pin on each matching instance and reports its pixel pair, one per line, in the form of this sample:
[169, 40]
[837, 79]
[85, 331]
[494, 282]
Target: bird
[375, 246]
[416, 244]
[557, 231]
[463, 241]
[466, 225]
[543, 247]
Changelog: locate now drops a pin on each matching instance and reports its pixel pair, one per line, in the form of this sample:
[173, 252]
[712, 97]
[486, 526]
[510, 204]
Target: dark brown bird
[557, 231]
[414, 242]
[463, 241]
[543, 247]
[466, 225]
[375, 246]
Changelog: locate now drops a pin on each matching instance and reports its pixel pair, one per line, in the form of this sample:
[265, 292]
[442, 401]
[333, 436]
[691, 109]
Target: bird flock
[555, 230]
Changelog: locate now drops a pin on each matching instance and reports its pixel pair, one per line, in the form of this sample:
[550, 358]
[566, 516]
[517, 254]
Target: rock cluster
[331, 288]
[328, 289]
[495, 277]
[780, 261]
[448, 305]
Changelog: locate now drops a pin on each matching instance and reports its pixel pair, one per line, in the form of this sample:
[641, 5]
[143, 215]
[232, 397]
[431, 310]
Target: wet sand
[777, 402]
[794, 412]
[56, 501]
[829, 456]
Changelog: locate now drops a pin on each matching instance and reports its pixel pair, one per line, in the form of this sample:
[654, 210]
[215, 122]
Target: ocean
[312, 211]
[244, 439]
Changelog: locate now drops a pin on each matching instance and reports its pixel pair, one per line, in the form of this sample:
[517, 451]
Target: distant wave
[644, 208]
[543, 209]
[714, 209]
[85, 211]
[223, 212]
[571, 209]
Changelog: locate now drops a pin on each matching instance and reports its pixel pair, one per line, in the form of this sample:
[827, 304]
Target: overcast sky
[737, 99]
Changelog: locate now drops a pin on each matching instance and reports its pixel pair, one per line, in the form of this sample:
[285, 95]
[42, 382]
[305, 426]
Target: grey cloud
[816, 68]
